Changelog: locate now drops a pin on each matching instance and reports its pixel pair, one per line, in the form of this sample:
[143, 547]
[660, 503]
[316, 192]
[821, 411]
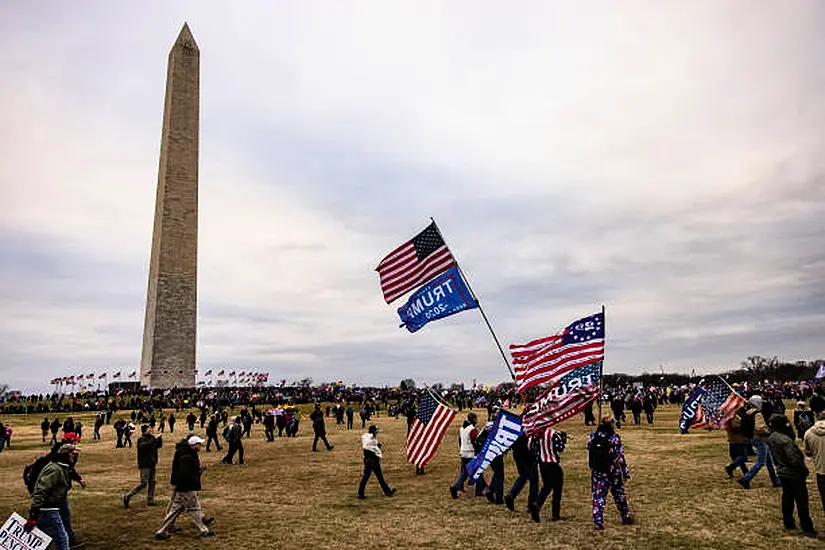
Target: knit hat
[195, 440]
[756, 401]
[373, 429]
[67, 448]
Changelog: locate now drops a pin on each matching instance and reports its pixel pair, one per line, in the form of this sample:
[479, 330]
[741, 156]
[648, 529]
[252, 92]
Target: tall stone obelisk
[169, 334]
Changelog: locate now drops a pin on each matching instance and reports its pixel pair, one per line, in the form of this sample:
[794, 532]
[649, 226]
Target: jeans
[795, 493]
[763, 458]
[50, 522]
[370, 467]
[349, 422]
[66, 517]
[96, 434]
[526, 472]
[481, 484]
[739, 456]
[820, 485]
[2, 444]
[496, 486]
[552, 480]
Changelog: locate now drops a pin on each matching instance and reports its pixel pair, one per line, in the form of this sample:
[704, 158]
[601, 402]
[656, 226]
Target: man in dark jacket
[212, 434]
[147, 457]
[190, 421]
[791, 470]
[44, 427]
[317, 418]
[233, 434]
[186, 479]
[525, 461]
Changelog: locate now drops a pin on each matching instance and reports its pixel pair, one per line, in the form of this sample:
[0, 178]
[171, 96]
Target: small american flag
[427, 430]
[134, 373]
[718, 406]
[416, 261]
[116, 375]
[544, 359]
[208, 373]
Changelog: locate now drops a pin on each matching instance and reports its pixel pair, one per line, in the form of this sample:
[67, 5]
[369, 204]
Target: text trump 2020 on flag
[504, 432]
[445, 295]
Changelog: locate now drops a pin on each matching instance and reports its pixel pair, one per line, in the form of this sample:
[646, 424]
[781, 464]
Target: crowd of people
[760, 429]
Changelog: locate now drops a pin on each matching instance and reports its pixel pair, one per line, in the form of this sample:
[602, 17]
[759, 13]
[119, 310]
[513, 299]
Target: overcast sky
[664, 159]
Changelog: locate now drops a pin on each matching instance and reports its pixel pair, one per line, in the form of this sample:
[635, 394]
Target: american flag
[544, 359]
[565, 399]
[718, 406]
[102, 376]
[134, 373]
[116, 375]
[222, 373]
[416, 261]
[427, 430]
[208, 373]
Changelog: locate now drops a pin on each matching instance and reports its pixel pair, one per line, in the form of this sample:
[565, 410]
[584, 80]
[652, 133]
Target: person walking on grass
[737, 447]
[233, 434]
[372, 463]
[791, 469]
[754, 426]
[547, 445]
[51, 491]
[525, 460]
[319, 428]
[815, 448]
[44, 427]
[468, 446]
[608, 471]
[186, 481]
[212, 434]
[147, 459]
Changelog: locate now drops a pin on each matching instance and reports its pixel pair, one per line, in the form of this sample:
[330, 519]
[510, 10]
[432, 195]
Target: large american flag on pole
[428, 428]
[566, 398]
[544, 359]
[717, 407]
[416, 261]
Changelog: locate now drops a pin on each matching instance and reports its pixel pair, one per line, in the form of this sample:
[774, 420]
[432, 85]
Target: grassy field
[289, 497]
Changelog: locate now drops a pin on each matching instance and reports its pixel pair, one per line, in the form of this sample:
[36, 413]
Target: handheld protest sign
[12, 535]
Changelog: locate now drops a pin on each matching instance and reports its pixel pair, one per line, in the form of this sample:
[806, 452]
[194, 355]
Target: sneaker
[391, 493]
[152, 503]
[811, 534]
[330, 447]
[744, 483]
[208, 521]
[453, 492]
[361, 497]
[629, 520]
[510, 502]
[490, 497]
[207, 533]
[599, 527]
[555, 518]
[729, 472]
[125, 500]
[161, 536]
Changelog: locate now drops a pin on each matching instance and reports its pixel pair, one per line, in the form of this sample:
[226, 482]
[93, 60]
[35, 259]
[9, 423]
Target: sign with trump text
[445, 295]
[14, 537]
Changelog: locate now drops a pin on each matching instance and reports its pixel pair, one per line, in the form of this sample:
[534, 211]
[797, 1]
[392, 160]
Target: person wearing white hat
[186, 480]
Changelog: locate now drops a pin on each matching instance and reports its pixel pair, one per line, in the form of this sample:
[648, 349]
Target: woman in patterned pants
[608, 472]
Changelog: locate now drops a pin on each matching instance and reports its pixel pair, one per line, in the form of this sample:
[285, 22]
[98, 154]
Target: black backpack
[748, 425]
[32, 471]
[601, 453]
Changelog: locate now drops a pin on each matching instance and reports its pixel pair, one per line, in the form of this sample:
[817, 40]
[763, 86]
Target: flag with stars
[717, 406]
[415, 262]
[548, 358]
[427, 429]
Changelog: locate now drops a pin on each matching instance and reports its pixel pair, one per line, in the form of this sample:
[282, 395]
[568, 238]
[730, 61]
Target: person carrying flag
[608, 471]
[547, 445]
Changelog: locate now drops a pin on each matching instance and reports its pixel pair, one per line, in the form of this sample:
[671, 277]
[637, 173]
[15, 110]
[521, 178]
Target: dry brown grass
[288, 497]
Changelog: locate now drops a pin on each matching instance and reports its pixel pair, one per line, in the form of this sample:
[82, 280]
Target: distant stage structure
[170, 329]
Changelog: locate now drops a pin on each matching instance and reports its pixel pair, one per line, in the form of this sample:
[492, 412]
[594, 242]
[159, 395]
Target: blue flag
[504, 432]
[690, 408]
[445, 295]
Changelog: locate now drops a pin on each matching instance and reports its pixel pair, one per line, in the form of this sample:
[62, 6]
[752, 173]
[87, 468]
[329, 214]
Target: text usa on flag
[544, 359]
[427, 429]
[416, 261]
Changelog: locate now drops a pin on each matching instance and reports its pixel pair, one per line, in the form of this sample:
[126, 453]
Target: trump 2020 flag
[718, 405]
[445, 295]
[566, 397]
[501, 436]
[821, 372]
[691, 409]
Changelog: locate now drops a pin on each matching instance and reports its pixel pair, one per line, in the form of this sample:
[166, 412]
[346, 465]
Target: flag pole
[601, 366]
[728, 385]
[478, 302]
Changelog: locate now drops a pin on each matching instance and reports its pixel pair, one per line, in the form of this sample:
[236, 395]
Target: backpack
[226, 432]
[32, 471]
[600, 455]
[748, 425]
[805, 422]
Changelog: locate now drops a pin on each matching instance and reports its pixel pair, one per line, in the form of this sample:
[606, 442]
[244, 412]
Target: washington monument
[169, 333]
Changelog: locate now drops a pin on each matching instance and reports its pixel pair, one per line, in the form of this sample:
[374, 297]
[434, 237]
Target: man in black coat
[147, 458]
[186, 479]
[232, 434]
[319, 428]
[212, 434]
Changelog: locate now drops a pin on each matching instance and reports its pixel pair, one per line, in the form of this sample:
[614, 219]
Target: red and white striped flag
[546, 359]
[413, 263]
[427, 430]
